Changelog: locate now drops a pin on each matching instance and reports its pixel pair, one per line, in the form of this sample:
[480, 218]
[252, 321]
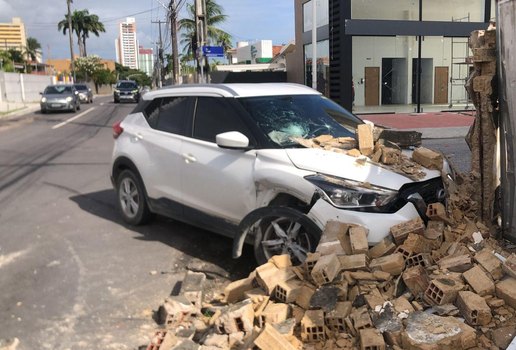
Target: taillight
[117, 129]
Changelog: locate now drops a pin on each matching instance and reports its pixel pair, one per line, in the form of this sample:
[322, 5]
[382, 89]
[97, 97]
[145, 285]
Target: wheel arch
[124, 163]
[250, 219]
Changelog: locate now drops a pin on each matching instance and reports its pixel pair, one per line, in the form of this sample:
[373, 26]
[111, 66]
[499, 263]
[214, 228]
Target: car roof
[232, 90]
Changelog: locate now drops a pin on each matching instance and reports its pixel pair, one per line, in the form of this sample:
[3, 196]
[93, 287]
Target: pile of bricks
[439, 285]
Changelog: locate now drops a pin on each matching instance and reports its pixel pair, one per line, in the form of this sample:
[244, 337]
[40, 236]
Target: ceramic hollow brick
[326, 269]
[288, 291]
[442, 291]
[473, 308]
[335, 319]
[371, 339]
[312, 326]
[422, 259]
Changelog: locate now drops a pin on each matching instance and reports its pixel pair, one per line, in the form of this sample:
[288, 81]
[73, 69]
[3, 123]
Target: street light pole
[72, 65]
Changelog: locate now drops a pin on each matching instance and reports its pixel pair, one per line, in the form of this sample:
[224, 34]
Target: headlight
[117, 91]
[69, 99]
[134, 91]
[350, 194]
[43, 99]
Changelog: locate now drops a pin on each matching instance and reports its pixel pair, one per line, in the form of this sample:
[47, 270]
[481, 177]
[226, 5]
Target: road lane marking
[73, 118]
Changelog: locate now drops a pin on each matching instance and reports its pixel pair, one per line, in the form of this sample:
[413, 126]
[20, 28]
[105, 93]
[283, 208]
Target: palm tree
[83, 23]
[31, 48]
[77, 21]
[214, 16]
[224, 40]
[91, 25]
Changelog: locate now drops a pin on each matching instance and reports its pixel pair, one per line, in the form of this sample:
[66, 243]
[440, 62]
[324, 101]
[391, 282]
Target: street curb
[26, 110]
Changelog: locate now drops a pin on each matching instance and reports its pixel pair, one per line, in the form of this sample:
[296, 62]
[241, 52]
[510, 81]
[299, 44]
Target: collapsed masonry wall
[481, 138]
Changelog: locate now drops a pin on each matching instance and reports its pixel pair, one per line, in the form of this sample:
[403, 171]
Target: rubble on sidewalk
[438, 283]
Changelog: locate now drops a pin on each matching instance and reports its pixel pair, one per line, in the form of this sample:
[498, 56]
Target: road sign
[213, 51]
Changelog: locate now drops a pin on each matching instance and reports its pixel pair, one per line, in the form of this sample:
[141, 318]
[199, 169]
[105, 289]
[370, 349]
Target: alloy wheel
[129, 197]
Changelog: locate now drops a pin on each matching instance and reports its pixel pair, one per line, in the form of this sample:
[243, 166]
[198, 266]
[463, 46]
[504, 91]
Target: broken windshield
[287, 118]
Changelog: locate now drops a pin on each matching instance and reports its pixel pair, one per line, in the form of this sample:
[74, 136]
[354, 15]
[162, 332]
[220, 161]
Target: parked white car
[224, 158]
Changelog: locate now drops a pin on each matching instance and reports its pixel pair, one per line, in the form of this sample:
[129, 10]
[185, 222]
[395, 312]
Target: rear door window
[168, 114]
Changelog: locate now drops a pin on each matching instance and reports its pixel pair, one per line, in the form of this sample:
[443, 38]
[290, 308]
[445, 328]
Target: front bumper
[56, 105]
[126, 96]
[378, 224]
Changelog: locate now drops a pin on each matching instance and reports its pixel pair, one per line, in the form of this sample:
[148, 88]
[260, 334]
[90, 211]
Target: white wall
[15, 87]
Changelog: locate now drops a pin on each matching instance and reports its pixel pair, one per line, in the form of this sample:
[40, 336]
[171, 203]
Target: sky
[248, 20]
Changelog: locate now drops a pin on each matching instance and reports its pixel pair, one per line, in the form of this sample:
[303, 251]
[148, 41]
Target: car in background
[85, 93]
[60, 98]
[126, 90]
[232, 159]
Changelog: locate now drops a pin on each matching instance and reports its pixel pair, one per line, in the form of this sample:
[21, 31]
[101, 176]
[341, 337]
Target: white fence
[16, 87]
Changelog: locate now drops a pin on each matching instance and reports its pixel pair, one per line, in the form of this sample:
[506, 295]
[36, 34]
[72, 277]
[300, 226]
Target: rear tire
[285, 231]
[43, 111]
[131, 200]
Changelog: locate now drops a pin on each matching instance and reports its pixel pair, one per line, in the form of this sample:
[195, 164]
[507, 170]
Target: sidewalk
[10, 110]
[433, 125]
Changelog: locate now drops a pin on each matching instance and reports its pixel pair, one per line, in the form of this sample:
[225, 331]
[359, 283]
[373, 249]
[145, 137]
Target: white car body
[229, 184]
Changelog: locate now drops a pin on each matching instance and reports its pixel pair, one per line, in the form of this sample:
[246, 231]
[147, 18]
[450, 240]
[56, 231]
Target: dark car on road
[60, 98]
[126, 90]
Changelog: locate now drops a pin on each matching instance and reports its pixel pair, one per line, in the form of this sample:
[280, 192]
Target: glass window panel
[454, 10]
[321, 12]
[385, 9]
[382, 73]
[323, 66]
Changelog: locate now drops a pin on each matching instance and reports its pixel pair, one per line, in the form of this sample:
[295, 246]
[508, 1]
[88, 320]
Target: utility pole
[160, 56]
[173, 32]
[72, 65]
[201, 36]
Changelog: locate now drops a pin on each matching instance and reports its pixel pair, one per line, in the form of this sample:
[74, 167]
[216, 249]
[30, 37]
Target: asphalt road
[72, 275]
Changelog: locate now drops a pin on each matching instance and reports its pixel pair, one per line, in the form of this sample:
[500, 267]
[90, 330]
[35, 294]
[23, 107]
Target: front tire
[285, 231]
[131, 199]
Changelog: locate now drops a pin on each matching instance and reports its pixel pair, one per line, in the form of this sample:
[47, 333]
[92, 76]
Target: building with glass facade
[390, 55]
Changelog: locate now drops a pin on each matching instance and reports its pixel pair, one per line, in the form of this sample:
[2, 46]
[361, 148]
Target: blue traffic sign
[213, 51]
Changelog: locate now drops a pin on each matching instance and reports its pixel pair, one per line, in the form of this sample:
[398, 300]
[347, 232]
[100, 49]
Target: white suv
[228, 158]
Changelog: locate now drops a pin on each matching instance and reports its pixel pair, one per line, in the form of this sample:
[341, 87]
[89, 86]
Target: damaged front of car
[362, 192]
[315, 171]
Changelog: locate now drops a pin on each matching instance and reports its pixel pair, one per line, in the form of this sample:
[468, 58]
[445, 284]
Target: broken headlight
[348, 194]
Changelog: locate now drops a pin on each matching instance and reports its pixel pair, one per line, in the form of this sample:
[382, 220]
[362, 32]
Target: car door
[217, 182]
[163, 140]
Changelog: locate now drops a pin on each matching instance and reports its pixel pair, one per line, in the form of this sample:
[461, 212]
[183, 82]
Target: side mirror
[232, 140]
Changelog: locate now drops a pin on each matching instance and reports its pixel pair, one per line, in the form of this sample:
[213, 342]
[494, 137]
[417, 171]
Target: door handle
[189, 158]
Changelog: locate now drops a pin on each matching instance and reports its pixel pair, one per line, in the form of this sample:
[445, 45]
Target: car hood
[126, 89]
[347, 167]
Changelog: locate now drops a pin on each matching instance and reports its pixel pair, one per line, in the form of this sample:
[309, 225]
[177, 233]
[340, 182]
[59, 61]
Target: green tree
[91, 25]
[126, 73]
[103, 77]
[83, 23]
[31, 48]
[6, 62]
[88, 65]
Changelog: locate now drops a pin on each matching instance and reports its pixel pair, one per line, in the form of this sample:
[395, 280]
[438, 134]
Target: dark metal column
[418, 70]
[487, 11]
[341, 54]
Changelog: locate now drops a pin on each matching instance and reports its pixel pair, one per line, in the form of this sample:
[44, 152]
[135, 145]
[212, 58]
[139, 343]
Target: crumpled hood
[347, 167]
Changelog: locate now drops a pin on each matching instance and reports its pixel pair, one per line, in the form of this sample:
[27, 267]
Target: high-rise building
[146, 60]
[126, 45]
[12, 35]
